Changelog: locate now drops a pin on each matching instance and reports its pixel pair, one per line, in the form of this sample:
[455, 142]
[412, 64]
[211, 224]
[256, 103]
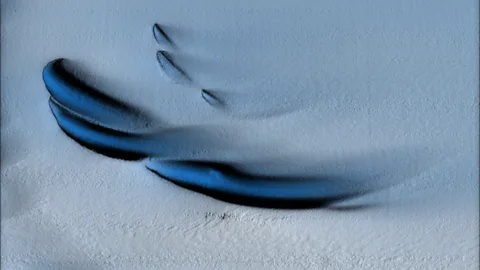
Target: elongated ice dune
[116, 129]
[215, 179]
[101, 139]
[169, 142]
[225, 182]
[90, 102]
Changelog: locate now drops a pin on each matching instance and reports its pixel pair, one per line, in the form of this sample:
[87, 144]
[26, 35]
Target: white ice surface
[356, 77]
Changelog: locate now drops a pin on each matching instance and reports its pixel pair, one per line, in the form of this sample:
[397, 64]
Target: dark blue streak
[166, 143]
[103, 140]
[227, 183]
[92, 104]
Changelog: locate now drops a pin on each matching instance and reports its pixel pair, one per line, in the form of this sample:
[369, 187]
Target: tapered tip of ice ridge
[211, 99]
[161, 37]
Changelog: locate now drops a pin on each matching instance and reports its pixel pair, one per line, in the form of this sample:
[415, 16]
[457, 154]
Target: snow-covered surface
[357, 78]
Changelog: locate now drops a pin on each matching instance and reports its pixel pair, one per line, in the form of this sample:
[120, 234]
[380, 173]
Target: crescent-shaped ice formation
[171, 71]
[171, 142]
[94, 105]
[80, 111]
[161, 37]
[211, 99]
[101, 139]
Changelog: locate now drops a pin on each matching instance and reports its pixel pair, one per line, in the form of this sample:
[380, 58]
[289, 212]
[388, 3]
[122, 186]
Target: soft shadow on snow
[385, 169]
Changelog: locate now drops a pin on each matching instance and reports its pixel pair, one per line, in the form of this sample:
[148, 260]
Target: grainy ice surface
[354, 87]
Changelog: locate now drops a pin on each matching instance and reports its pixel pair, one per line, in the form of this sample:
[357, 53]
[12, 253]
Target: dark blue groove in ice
[166, 143]
[79, 111]
[90, 102]
[103, 140]
[227, 183]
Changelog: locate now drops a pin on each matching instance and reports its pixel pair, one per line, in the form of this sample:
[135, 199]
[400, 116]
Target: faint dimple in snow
[248, 105]
[17, 196]
[12, 201]
[221, 230]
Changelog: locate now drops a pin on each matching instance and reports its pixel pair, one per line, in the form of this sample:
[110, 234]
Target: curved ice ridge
[92, 119]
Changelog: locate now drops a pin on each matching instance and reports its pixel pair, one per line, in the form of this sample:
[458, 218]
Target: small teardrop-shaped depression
[170, 69]
[211, 99]
[161, 37]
